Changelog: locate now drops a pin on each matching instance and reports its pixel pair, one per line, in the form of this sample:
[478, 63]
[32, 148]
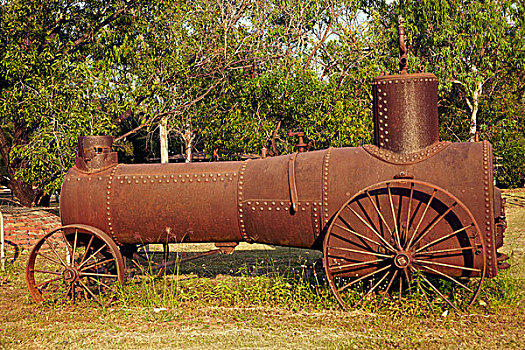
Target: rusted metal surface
[179, 203]
[408, 206]
[405, 112]
[410, 158]
[95, 153]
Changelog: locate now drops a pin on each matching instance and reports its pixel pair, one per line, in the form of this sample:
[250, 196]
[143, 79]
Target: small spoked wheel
[404, 240]
[75, 262]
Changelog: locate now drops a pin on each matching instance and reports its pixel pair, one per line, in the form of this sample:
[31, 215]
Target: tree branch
[88, 36]
[178, 109]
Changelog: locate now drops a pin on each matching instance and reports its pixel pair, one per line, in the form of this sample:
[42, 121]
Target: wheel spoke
[437, 291]
[452, 250]
[98, 274]
[361, 236]
[394, 216]
[48, 258]
[86, 295]
[362, 278]
[74, 246]
[424, 293]
[48, 272]
[87, 267]
[373, 288]
[388, 288]
[87, 250]
[447, 276]
[440, 239]
[361, 252]
[408, 281]
[47, 282]
[68, 246]
[409, 207]
[422, 217]
[343, 268]
[379, 213]
[86, 288]
[140, 267]
[372, 229]
[446, 265]
[99, 282]
[70, 290]
[400, 287]
[93, 255]
[435, 222]
[56, 254]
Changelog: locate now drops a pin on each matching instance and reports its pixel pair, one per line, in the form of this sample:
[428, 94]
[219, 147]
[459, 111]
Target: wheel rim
[400, 238]
[74, 262]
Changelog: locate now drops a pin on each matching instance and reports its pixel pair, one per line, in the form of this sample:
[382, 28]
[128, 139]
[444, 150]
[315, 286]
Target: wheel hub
[402, 260]
[70, 274]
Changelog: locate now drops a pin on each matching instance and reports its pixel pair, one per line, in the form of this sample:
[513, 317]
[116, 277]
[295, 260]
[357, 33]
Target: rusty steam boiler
[391, 218]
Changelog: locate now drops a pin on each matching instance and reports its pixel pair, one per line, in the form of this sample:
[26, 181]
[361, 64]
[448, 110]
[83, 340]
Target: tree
[47, 96]
[321, 85]
[465, 43]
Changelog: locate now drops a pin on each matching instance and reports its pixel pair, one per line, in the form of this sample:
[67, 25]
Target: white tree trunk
[188, 140]
[163, 134]
[474, 107]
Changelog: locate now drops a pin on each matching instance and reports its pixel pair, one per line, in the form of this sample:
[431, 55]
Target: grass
[262, 297]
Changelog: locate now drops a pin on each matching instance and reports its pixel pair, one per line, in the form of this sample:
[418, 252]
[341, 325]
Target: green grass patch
[264, 297]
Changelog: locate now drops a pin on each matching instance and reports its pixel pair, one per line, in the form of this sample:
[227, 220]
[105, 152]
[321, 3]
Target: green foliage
[476, 50]
[232, 77]
[48, 95]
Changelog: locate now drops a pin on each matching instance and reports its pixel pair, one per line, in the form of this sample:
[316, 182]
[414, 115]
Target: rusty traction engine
[396, 217]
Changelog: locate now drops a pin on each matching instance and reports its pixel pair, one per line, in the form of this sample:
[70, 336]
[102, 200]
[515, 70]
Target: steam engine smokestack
[405, 108]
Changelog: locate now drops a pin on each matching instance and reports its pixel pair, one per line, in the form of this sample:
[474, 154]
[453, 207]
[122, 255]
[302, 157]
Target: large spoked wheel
[75, 262]
[404, 239]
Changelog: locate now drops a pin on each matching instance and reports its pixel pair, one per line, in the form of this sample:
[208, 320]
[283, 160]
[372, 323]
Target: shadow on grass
[260, 262]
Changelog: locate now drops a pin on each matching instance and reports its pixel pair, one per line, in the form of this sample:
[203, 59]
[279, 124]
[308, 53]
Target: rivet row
[240, 197]
[108, 203]
[180, 178]
[383, 117]
[416, 157]
[405, 81]
[486, 192]
[326, 162]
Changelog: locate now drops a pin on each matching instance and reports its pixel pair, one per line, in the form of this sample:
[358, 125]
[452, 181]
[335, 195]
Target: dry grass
[269, 322]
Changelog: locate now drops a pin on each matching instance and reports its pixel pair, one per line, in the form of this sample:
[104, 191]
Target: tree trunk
[24, 192]
[474, 108]
[188, 140]
[163, 133]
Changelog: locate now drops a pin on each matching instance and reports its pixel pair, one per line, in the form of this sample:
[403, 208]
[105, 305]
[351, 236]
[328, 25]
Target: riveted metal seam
[240, 196]
[316, 216]
[324, 201]
[404, 159]
[488, 218]
[382, 110]
[176, 178]
[109, 192]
